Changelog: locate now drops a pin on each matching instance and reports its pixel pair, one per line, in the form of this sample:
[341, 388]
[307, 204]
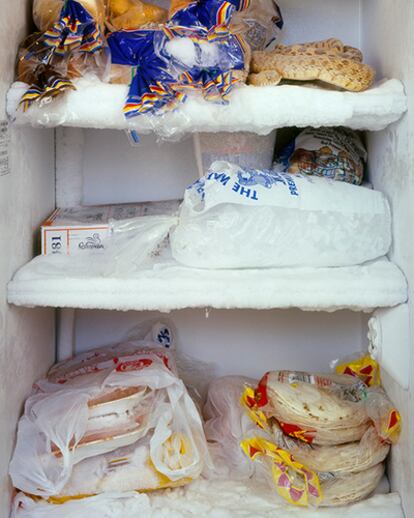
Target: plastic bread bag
[236, 217]
[150, 90]
[195, 51]
[336, 153]
[101, 401]
[133, 14]
[261, 24]
[201, 48]
[71, 24]
[323, 410]
[208, 10]
[226, 425]
[200, 63]
[135, 243]
[45, 74]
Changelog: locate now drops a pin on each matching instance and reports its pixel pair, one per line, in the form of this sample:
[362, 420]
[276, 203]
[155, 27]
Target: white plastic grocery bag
[61, 428]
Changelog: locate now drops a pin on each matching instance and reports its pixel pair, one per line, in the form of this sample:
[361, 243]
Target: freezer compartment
[226, 342]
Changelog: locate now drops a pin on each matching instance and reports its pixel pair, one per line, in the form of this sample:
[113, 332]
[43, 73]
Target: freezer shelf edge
[255, 109]
[358, 288]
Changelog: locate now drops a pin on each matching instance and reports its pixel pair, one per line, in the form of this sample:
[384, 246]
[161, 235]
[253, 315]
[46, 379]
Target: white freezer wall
[247, 342]
[27, 193]
[387, 39]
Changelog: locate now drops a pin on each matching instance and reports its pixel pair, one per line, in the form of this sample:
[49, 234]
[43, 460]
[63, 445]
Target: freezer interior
[63, 167]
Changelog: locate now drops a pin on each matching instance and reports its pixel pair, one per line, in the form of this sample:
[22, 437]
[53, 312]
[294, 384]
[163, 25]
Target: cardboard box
[73, 230]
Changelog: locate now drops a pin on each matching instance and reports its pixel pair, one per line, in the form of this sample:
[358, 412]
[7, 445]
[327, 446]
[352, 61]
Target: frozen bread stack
[327, 443]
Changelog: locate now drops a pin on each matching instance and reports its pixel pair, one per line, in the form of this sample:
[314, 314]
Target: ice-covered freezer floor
[85, 282]
[219, 499]
[256, 109]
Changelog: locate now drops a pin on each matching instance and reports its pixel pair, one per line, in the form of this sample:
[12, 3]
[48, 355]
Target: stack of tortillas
[323, 423]
[351, 488]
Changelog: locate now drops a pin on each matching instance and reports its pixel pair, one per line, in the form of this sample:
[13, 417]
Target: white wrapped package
[226, 425]
[244, 218]
[119, 403]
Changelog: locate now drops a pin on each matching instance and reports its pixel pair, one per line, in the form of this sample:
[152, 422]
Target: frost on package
[237, 217]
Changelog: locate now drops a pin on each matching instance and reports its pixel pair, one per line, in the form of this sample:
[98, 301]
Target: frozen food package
[301, 486]
[73, 230]
[132, 14]
[261, 24]
[317, 409]
[336, 153]
[99, 416]
[339, 459]
[236, 217]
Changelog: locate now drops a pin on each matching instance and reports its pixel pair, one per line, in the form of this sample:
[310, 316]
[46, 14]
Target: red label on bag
[261, 391]
[133, 365]
[295, 431]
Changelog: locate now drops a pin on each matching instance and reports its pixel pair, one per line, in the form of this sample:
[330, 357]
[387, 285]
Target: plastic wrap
[132, 14]
[150, 90]
[226, 424]
[261, 24]
[99, 416]
[381, 411]
[47, 74]
[241, 148]
[336, 153]
[361, 366]
[237, 217]
[133, 242]
[71, 24]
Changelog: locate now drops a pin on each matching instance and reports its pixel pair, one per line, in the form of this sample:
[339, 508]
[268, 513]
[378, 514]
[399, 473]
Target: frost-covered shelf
[256, 109]
[61, 281]
[225, 498]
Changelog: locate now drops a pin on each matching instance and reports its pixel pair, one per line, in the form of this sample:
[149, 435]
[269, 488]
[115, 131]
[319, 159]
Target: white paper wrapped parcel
[244, 218]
